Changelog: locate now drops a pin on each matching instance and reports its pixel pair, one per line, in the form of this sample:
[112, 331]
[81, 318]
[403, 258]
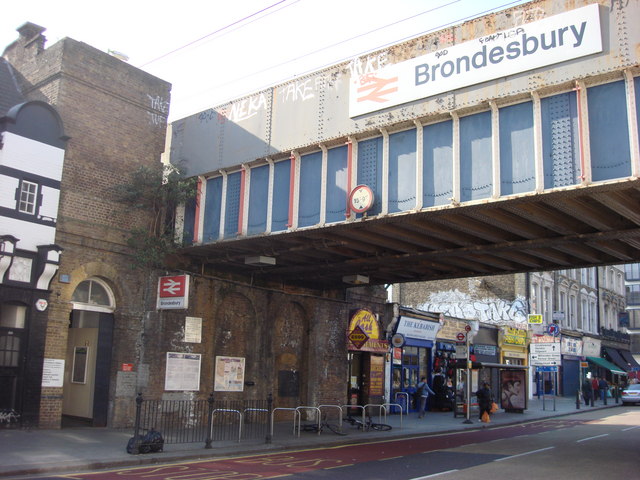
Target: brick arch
[290, 348]
[237, 334]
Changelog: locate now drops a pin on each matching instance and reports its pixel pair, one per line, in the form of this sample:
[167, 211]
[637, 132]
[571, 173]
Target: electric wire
[336, 44]
[219, 30]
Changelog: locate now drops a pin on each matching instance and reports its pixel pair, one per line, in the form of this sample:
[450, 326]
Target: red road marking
[280, 464]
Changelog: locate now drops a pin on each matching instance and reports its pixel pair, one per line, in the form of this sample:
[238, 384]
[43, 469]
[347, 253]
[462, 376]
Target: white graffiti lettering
[495, 310]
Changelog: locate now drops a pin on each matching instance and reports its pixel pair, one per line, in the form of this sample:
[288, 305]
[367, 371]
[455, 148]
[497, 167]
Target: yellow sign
[515, 336]
[367, 321]
[534, 318]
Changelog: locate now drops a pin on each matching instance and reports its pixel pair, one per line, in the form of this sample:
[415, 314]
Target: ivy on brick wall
[156, 192]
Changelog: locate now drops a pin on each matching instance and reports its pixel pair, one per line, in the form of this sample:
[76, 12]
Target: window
[572, 311]
[94, 293]
[27, 200]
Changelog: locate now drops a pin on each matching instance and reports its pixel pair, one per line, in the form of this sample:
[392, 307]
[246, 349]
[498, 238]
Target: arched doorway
[88, 360]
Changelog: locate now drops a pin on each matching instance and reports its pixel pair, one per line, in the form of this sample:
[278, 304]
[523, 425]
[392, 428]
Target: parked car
[631, 394]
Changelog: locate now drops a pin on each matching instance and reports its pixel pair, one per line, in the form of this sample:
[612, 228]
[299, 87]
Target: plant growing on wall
[157, 193]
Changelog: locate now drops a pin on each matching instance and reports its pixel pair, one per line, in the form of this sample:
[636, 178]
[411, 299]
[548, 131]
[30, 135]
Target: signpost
[546, 357]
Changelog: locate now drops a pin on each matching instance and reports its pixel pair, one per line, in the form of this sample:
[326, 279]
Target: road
[603, 444]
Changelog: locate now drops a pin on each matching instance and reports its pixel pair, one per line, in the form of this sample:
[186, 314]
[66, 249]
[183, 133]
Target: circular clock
[361, 199]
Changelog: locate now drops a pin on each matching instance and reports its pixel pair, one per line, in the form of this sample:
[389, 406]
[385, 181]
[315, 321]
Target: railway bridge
[505, 144]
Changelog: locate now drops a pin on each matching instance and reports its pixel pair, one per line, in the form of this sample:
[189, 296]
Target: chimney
[31, 37]
[31, 40]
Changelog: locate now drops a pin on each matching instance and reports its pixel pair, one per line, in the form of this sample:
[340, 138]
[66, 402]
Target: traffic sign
[553, 329]
[467, 328]
[547, 368]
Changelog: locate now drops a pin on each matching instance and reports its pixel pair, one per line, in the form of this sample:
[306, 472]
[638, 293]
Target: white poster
[229, 375]
[52, 372]
[182, 371]
[193, 329]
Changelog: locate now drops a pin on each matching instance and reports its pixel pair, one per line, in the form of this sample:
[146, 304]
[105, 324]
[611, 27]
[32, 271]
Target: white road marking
[591, 438]
[522, 454]
[434, 475]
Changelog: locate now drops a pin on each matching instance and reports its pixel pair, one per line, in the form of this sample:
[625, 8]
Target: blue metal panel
[310, 189]
[560, 140]
[437, 176]
[475, 157]
[211, 228]
[232, 210]
[609, 132]
[258, 193]
[336, 184]
[402, 171]
[517, 159]
[370, 170]
[280, 207]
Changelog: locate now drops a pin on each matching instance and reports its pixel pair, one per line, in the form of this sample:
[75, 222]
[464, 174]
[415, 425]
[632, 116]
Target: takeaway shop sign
[363, 334]
[419, 329]
[549, 41]
[173, 292]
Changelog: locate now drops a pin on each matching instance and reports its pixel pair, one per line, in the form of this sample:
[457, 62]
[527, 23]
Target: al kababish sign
[173, 292]
[549, 41]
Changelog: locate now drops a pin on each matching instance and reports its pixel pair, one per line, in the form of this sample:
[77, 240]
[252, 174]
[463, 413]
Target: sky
[213, 51]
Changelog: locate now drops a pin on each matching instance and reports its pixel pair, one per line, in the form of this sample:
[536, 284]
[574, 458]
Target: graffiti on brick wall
[160, 111]
[489, 310]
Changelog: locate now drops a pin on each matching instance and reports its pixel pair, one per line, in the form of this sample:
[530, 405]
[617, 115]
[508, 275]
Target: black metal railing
[206, 421]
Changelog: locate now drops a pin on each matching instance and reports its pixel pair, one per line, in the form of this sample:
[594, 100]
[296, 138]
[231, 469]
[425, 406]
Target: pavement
[35, 452]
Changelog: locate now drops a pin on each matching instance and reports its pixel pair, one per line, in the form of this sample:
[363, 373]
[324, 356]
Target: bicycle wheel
[310, 427]
[334, 428]
[381, 427]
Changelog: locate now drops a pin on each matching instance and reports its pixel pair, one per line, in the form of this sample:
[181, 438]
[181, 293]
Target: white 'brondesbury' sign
[556, 39]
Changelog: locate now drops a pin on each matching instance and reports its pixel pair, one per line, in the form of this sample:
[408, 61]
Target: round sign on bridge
[460, 336]
[468, 328]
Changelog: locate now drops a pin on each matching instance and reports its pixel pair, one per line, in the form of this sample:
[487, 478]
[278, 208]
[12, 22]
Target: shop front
[571, 350]
[413, 340]
[366, 353]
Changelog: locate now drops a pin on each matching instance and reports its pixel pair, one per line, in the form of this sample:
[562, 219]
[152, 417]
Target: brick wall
[115, 115]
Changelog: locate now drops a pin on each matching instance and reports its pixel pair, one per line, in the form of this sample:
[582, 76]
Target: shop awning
[616, 358]
[629, 358]
[601, 362]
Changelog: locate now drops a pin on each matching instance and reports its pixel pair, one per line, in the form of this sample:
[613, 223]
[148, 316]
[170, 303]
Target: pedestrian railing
[206, 421]
[210, 420]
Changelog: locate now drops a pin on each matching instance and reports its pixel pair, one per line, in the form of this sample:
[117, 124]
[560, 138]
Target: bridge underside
[594, 225]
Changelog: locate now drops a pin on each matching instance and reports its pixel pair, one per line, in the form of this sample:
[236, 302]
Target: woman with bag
[485, 400]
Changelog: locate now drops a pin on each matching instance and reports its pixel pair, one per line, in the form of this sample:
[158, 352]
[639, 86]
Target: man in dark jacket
[603, 386]
[485, 398]
[587, 391]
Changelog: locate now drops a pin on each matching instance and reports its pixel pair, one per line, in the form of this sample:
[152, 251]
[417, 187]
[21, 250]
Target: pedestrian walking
[485, 399]
[586, 391]
[423, 391]
[603, 386]
[594, 387]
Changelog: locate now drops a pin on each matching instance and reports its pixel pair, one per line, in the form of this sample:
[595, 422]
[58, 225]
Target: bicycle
[368, 425]
[324, 424]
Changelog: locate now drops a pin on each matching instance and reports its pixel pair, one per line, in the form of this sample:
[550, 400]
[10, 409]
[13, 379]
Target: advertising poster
[183, 371]
[229, 375]
[512, 389]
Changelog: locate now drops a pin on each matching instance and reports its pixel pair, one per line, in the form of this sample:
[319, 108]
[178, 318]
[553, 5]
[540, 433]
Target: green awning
[601, 362]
